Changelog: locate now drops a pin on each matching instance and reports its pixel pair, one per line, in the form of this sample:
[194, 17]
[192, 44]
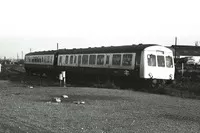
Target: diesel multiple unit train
[143, 62]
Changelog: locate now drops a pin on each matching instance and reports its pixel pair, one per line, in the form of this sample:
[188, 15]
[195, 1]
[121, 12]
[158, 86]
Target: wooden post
[64, 77]
[60, 78]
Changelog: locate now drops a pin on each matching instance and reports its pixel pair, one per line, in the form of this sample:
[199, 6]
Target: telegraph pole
[17, 57]
[22, 55]
[57, 46]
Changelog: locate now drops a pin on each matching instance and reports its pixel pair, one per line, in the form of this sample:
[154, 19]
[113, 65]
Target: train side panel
[99, 63]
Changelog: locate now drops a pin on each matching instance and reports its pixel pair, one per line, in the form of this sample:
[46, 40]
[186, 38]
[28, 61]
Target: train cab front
[157, 64]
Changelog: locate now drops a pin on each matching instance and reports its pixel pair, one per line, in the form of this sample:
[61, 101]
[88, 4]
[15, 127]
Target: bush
[184, 87]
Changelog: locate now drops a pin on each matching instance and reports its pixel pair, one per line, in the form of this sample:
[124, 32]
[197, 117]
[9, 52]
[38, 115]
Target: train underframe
[101, 78]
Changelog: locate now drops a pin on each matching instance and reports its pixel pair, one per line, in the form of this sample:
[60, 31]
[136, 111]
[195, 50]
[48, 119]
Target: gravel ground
[24, 109]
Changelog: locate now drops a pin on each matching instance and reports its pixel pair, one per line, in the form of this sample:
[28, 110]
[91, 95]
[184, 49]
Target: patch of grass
[105, 110]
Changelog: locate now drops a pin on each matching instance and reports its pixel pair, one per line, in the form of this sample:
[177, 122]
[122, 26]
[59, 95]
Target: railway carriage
[120, 63]
[40, 62]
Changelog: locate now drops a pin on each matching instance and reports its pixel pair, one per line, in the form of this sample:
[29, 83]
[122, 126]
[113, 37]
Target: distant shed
[186, 51]
[187, 54]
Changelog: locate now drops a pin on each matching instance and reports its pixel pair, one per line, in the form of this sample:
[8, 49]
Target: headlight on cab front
[150, 75]
[170, 76]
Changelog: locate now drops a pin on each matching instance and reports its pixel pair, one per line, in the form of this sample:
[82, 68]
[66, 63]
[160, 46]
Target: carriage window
[116, 59]
[66, 59]
[127, 59]
[71, 59]
[48, 59]
[51, 59]
[151, 60]
[161, 61]
[79, 59]
[107, 59]
[44, 59]
[75, 57]
[92, 59]
[85, 59]
[100, 59]
[169, 63]
[60, 60]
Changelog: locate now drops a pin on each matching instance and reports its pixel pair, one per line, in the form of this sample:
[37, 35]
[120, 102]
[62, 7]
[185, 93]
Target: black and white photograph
[99, 66]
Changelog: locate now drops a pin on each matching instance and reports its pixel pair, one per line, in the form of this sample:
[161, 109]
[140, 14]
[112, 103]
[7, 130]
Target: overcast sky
[40, 24]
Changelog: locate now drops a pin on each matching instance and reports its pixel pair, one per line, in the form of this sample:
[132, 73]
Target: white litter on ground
[57, 99]
[79, 102]
[82, 102]
[65, 96]
[31, 87]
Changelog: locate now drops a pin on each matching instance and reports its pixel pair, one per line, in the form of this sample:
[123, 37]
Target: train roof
[185, 50]
[43, 52]
[110, 49]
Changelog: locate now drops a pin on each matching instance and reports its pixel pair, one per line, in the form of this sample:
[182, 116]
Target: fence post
[64, 77]
[60, 78]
